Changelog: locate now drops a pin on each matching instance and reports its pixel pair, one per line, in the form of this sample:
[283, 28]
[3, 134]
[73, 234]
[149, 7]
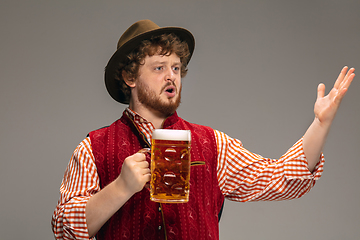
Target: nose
[170, 75]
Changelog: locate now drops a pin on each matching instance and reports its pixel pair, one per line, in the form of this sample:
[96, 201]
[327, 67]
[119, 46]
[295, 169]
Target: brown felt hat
[131, 38]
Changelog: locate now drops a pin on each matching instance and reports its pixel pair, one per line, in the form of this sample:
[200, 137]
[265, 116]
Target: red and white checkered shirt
[243, 176]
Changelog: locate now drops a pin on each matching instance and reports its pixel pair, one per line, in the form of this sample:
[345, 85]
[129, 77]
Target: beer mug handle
[146, 151]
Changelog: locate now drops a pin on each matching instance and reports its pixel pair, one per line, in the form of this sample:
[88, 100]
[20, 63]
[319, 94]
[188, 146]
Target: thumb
[321, 90]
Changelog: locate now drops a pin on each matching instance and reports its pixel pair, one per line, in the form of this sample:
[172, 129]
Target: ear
[129, 81]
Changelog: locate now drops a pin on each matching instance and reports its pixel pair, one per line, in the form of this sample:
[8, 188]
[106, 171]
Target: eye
[176, 68]
[158, 68]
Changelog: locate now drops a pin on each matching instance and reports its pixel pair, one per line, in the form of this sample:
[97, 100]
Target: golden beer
[170, 166]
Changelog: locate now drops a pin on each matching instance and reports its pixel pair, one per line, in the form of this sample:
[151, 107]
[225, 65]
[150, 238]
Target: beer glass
[170, 166]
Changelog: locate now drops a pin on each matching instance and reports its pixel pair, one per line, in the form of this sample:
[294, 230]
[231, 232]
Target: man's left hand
[326, 106]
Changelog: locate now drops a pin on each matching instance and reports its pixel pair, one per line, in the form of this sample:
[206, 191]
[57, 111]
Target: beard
[153, 101]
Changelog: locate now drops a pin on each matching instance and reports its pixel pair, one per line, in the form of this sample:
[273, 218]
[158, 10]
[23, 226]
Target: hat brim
[112, 84]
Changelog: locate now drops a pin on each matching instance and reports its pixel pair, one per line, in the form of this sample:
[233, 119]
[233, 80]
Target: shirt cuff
[74, 218]
[296, 164]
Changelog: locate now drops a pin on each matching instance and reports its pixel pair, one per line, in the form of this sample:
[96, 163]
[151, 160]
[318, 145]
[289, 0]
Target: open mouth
[170, 89]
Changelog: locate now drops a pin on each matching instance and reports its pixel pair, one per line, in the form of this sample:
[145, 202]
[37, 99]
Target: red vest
[140, 218]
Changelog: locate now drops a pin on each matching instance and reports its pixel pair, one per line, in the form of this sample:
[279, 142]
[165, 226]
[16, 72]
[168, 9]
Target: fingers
[345, 78]
[139, 160]
[340, 77]
[135, 172]
[340, 96]
[344, 85]
[348, 78]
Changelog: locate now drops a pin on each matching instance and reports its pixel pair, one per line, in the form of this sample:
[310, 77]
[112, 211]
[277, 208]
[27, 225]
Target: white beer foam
[171, 134]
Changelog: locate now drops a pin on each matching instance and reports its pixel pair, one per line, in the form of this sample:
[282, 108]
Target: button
[159, 209]
[159, 228]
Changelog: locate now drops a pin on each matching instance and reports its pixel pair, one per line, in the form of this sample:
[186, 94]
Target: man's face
[158, 86]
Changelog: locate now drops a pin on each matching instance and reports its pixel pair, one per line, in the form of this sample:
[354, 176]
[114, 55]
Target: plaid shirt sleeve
[245, 176]
[80, 182]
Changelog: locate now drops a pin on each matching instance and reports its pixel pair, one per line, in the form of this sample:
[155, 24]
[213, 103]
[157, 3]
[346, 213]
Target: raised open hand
[326, 106]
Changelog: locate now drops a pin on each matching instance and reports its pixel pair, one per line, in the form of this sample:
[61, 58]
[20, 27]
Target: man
[103, 193]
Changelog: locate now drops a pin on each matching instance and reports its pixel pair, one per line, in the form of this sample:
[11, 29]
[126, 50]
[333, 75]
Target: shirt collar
[135, 116]
[146, 127]
[142, 124]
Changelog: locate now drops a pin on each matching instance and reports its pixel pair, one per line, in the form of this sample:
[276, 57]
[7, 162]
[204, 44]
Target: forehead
[158, 58]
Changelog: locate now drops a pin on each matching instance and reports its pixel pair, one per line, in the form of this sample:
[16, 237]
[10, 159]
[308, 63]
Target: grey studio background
[254, 75]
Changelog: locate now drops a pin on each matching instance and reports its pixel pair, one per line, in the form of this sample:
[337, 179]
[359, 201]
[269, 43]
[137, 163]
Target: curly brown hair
[164, 44]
